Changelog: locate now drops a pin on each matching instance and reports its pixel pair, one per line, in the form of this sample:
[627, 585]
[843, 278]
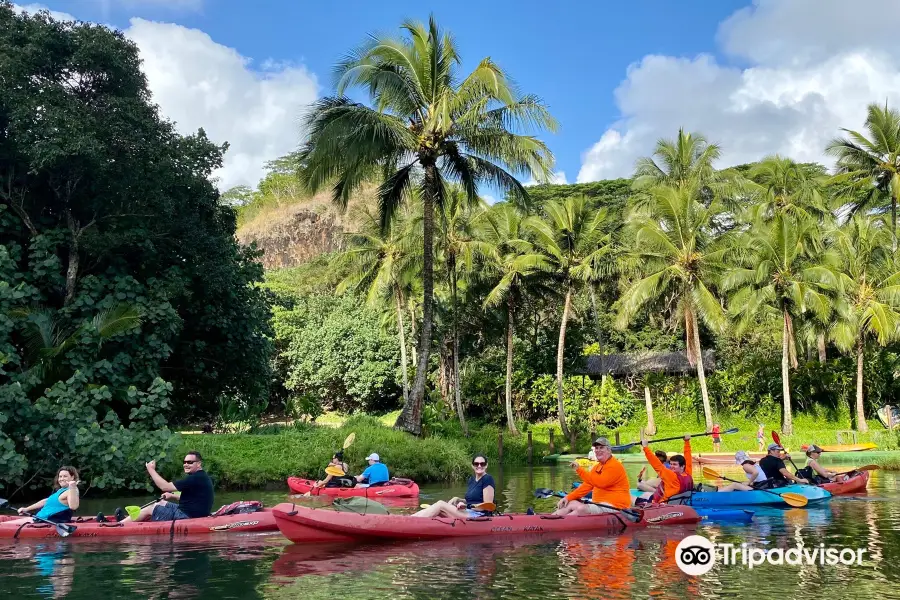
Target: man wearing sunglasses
[196, 490]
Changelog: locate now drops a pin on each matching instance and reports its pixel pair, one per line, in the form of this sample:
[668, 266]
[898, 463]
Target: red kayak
[295, 524]
[854, 484]
[395, 488]
[263, 520]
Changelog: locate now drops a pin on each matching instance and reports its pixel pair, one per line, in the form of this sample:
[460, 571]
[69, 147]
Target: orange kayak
[845, 447]
[855, 484]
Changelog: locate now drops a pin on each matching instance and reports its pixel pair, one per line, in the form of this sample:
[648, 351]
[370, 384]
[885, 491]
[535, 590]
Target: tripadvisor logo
[696, 555]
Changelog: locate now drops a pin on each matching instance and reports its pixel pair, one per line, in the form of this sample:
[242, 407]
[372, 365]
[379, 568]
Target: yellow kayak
[846, 447]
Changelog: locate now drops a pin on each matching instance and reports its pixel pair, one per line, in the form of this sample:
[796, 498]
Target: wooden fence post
[618, 443]
[551, 441]
[500, 448]
[572, 440]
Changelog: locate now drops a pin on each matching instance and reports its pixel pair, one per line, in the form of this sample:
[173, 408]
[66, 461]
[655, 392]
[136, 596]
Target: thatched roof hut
[675, 363]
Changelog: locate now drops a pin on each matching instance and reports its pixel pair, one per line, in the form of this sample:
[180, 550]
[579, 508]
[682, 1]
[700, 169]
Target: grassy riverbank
[267, 459]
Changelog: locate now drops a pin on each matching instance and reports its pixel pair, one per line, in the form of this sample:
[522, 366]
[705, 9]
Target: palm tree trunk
[456, 377]
[410, 418]
[412, 330]
[861, 425]
[651, 422]
[510, 325]
[560, 352]
[701, 370]
[820, 342]
[402, 332]
[598, 331]
[894, 220]
[787, 423]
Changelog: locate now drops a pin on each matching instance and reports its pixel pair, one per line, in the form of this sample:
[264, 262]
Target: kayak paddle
[62, 529]
[777, 439]
[485, 506]
[668, 439]
[798, 500]
[135, 511]
[335, 470]
[544, 493]
[862, 468]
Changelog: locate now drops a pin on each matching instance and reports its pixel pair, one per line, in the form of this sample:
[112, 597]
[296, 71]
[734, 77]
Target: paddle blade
[732, 430]
[776, 438]
[543, 492]
[710, 474]
[798, 500]
[350, 439]
[332, 470]
[862, 468]
[487, 506]
[133, 511]
[424, 505]
[65, 530]
[4, 503]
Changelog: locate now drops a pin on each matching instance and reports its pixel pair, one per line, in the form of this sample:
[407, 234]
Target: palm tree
[782, 276]
[46, 340]
[512, 263]
[426, 127]
[680, 259]
[384, 263]
[870, 166]
[571, 234]
[686, 161]
[781, 186]
[870, 286]
[460, 246]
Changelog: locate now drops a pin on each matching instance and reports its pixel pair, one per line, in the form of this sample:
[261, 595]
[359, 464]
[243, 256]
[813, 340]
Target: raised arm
[158, 481]
[688, 460]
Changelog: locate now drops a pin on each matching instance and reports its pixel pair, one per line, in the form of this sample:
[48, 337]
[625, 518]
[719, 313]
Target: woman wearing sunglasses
[480, 491]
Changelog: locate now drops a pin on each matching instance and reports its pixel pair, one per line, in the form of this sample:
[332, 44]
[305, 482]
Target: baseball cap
[601, 441]
[812, 448]
[374, 457]
[741, 457]
[774, 446]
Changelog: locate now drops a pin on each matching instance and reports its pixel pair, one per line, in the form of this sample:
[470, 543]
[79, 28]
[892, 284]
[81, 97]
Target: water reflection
[640, 564]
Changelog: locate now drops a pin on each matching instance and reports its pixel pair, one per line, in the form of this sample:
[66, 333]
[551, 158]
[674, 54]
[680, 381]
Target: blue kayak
[757, 497]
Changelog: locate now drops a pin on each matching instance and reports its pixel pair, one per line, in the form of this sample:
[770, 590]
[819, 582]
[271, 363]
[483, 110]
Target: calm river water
[639, 565]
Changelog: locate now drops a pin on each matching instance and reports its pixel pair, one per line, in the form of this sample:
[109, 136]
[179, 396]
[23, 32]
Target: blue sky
[759, 77]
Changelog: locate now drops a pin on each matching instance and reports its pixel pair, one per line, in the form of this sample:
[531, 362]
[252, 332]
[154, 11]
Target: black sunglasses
[189, 462]
[478, 463]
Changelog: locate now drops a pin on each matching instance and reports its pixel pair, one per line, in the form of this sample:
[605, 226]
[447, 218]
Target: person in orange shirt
[607, 480]
[674, 480]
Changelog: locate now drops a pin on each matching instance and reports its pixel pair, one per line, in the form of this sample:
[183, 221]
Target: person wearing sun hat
[375, 473]
[754, 474]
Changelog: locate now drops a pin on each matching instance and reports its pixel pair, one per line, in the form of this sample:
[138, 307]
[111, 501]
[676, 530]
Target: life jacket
[685, 484]
[239, 508]
[810, 475]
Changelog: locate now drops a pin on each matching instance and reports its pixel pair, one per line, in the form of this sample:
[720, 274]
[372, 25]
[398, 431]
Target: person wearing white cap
[753, 473]
[375, 473]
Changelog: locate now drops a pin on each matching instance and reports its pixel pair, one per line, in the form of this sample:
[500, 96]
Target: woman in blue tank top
[61, 504]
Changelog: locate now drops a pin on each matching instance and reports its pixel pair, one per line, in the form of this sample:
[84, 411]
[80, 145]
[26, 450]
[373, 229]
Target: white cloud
[557, 177]
[199, 83]
[811, 71]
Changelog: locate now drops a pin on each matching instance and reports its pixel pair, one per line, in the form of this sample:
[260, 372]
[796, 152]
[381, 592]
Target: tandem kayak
[395, 488]
[403, 527]
[259, 521]
[854, 484]
[845, 447]
[757, 497]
